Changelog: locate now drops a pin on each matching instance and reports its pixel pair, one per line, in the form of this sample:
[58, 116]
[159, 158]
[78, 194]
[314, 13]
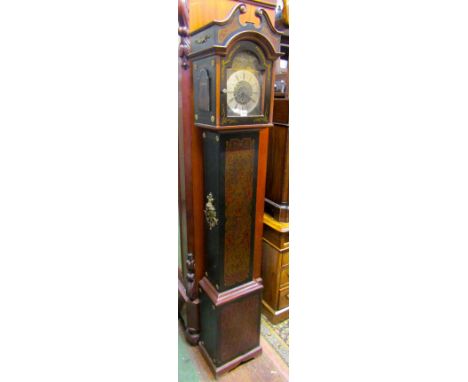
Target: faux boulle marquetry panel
[204, 89]
[240, 168]
[240, 325]
[231, 329]
[230, 161]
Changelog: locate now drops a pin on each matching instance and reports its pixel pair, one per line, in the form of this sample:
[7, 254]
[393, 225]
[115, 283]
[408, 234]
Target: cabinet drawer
[283, 300]
[284, 277]
[285, 259]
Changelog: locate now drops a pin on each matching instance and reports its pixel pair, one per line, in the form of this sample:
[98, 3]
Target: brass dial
[243, 92]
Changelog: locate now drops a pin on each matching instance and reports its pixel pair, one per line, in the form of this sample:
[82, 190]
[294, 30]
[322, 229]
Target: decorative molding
[184, 45]
[262, 14]
[221, 298]
[234, 127]
[282, 250]
[191, 289]
[228, 30]
[192, 329]
[276, 225]
[271, 4]
[204, 97]
[241, 7]
[225, 30]
[189, 311]
[216, 36]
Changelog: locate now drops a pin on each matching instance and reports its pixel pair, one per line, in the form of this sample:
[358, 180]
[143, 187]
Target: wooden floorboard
[268, 367]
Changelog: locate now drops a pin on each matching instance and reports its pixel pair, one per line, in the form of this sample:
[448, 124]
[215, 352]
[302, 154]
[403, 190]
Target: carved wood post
[192, 331]
[189, 175]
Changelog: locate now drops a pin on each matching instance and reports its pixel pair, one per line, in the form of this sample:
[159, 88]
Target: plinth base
[230, 324]
[274, 316]
[228, 366]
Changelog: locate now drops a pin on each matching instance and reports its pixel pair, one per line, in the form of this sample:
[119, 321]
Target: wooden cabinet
[275, 260]
[275, 269]
[277, 184]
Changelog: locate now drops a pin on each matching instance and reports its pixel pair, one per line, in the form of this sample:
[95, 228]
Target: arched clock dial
[243, 92]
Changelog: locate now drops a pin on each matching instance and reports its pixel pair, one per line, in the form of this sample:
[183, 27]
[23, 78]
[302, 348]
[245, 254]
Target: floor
[268, 367]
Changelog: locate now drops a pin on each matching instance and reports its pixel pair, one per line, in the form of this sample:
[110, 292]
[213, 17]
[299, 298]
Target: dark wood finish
[277, 184]
[281, 111]
[189, 314]
[188, 303]
[232, 364]
[261, 179]
[283, 298]
[190, 171]
[220, 298]
[275, 316]
[279, 239]
[275, 272]
[275, 262]
[230, 324]
[184, 45]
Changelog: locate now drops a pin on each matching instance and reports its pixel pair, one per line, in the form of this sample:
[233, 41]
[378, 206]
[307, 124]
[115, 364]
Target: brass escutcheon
[210, 212]
[203, 39]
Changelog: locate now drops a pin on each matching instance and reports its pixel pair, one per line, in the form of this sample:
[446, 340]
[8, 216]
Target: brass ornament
[203, 39]
[210, 212]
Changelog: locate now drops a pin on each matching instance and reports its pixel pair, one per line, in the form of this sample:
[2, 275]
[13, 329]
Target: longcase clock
[232, 64]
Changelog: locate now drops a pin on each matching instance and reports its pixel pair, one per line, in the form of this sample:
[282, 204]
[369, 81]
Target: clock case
[234, 180]
[213, 50]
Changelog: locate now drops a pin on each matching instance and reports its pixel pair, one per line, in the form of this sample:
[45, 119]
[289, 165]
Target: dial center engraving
[243, 92]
